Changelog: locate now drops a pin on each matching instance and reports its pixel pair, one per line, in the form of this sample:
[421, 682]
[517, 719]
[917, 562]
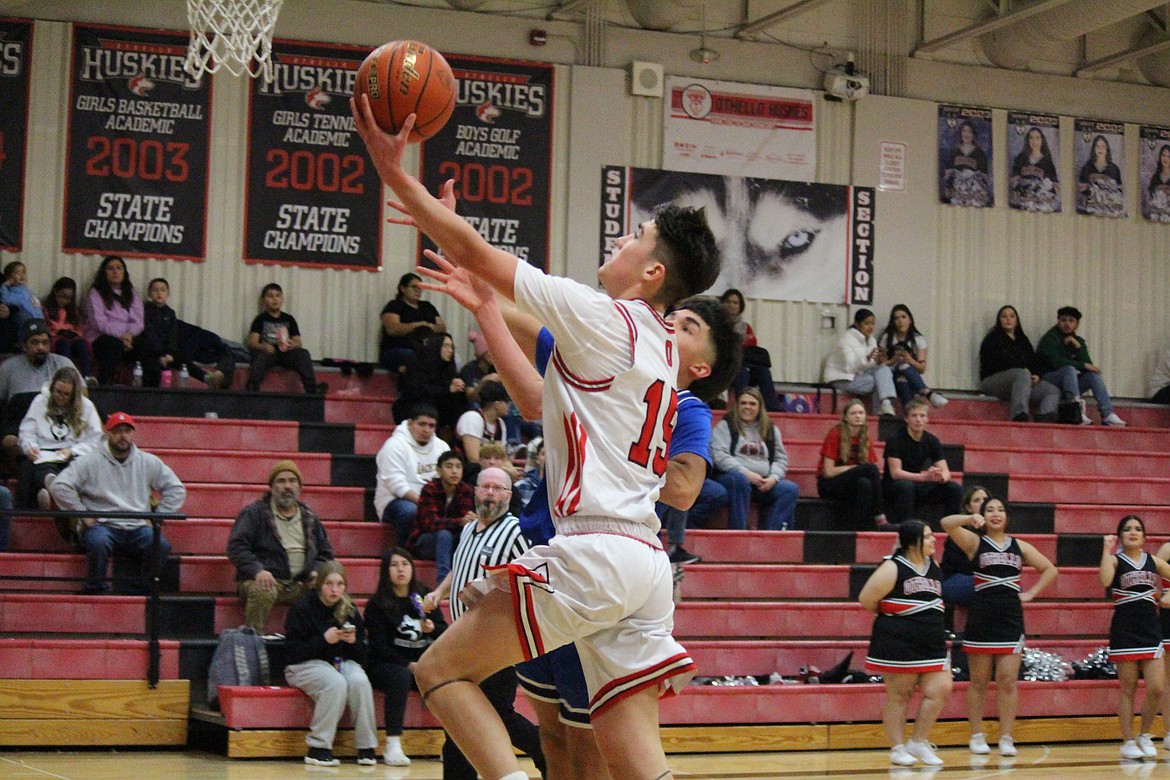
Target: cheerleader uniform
[1164, 617]
[995, 619]
[908, 635]
[1134, 632]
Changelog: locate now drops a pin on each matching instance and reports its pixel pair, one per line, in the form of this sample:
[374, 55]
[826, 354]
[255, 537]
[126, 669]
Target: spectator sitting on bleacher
[1160, 381]
[904, 351]
[21, 380]
[15, 294]
[168, 343]
[399, 633]
[916, 469]
[61, 425]
[848, 472]
[445, 505]
[118, 477]
[479, 370]
[113, 318]
[326, 646]
[275, 544]
[756, 368]
[479, 426]
[275, 340]
[408, 322]
[63, 317]
[750, 462]
[1010, 370]
[1066, 356]
[407, 461]
[856, 366]
[431, 376]
[533, 471]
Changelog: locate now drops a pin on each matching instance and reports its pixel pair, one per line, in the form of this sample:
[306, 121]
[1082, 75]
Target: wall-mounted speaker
[646, 79]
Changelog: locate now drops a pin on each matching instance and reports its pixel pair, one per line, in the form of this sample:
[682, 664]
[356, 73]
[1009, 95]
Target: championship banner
[734, 129]
[964, 156]
[15, 56]
[781, 240]
[497, 146]
[1033, 147]
[139, 128]
[1099, 155]
[313, 197]
[1154, 173]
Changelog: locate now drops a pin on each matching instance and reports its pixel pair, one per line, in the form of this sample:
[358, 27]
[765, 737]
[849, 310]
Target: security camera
[846, 86]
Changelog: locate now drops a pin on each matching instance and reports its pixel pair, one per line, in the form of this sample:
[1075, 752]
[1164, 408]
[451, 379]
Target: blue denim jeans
[1072, 383]
[437, 546]
[778, 505]
[400, 512]
[102, 540]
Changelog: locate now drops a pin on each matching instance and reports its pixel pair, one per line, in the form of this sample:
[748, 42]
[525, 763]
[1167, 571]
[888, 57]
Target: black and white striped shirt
[495, 545]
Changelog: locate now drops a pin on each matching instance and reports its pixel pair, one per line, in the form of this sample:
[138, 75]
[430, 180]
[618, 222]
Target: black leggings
[396, 681]
[860, 489]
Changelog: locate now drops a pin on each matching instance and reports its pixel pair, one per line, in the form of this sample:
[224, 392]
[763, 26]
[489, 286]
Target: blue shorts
[557, 677]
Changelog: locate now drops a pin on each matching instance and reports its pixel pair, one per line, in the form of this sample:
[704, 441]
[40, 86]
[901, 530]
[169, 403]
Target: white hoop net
[231, 34]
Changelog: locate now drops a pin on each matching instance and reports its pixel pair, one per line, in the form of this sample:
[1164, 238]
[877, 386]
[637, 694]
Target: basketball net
[231, 34]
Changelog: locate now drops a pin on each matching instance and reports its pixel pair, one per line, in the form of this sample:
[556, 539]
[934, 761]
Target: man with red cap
[117, 477]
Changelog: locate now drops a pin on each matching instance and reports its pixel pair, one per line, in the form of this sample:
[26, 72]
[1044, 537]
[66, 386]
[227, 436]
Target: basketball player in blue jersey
[609, 407]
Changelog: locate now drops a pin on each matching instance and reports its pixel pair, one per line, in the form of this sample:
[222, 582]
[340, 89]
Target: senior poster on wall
[1154, 173]
[782, 240]
[1033, 149]
[313, 196]
[497, 146]
[15, 56]
[737, 129]
[139, 127]
[965, 156]
[1099, 154]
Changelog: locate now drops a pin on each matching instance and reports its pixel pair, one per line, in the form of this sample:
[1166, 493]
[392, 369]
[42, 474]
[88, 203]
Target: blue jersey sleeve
[544, 348]
[692, 429]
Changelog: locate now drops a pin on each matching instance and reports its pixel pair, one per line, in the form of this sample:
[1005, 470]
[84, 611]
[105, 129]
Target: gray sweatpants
[332, 691]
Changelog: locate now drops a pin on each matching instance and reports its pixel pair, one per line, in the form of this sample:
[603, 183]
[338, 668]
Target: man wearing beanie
[21, 380]
[275, 545]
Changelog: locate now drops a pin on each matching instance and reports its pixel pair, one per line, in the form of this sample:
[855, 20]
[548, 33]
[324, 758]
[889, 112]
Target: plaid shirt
[436, 514]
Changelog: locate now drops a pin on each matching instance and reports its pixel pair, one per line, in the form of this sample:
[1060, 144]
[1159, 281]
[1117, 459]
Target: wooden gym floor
[1088, 761]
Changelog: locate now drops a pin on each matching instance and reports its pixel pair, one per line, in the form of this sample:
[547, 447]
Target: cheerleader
[994, 636]
[908, 645]
[1135, 636]
[1164, 615]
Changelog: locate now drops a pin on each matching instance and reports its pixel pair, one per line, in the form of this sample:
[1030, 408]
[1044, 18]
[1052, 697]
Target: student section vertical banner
[497, 146]
[139, 124]
[15, 56]
[313, 196]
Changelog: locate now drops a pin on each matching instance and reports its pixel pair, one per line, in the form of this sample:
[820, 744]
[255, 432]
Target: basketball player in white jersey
[609, 406]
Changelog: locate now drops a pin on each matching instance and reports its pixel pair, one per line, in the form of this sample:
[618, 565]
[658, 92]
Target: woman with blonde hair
[326, 645]
[61, 425]
[750, 462]
[848, 470]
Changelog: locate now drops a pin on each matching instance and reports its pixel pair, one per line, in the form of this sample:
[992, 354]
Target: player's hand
[385, 150]
[468, 290]
[446, 197]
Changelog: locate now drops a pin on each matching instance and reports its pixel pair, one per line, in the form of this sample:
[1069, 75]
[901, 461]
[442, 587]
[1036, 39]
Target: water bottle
[137, 375]
[183, 375]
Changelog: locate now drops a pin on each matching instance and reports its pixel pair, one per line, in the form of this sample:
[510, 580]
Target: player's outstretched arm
[524, 384]
[460, 243]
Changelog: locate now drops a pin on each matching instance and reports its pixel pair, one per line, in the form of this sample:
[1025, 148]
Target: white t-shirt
[472, 423]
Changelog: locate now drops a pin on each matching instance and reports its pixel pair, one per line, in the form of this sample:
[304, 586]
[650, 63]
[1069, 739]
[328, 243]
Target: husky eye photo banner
[15, 56]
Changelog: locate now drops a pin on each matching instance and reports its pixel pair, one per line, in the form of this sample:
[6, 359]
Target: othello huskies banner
[497, 147]
[782, 240]
[313, 197]
[15, 56]
[136, 181]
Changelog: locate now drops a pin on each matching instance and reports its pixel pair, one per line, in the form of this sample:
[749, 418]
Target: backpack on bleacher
[240, 659]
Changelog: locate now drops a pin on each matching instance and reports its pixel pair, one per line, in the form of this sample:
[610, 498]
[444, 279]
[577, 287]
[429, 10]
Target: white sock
[393, 742]
[515, 776]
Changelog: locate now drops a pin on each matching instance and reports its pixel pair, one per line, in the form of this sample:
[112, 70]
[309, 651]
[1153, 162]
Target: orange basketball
[407, 77]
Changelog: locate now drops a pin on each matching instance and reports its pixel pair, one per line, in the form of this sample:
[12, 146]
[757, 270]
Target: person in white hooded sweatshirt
[60, 426]
[117, 476]
[407, 461]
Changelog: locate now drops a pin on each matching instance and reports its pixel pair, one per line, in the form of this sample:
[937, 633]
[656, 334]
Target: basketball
[407, 77]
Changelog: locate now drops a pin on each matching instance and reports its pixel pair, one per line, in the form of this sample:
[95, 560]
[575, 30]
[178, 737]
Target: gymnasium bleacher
[759, 603]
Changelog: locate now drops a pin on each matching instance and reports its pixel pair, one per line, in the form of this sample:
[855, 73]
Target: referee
[493, 540]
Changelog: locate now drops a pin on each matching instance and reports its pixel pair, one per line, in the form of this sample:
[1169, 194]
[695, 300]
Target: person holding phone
[326, 645]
